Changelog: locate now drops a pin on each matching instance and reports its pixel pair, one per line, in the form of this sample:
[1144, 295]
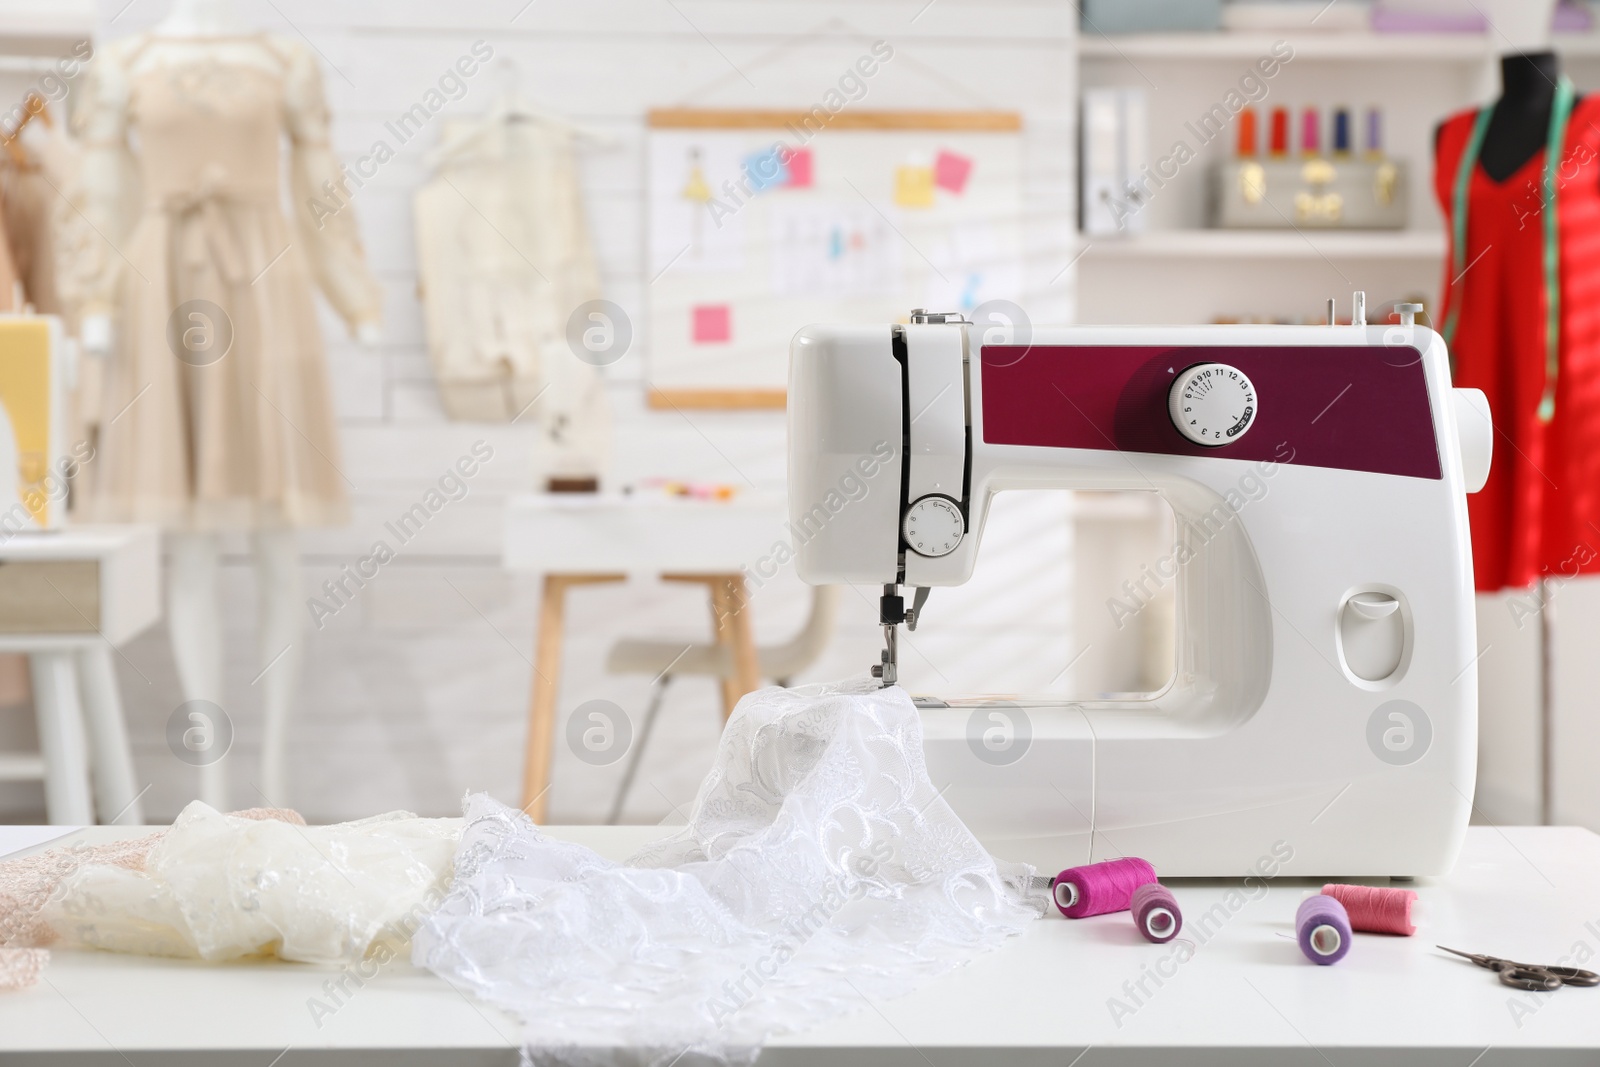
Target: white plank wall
[417, 693]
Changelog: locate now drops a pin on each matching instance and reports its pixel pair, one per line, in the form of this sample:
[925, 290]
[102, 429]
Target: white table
[68, 598]
[1245, 997]
[575, 539]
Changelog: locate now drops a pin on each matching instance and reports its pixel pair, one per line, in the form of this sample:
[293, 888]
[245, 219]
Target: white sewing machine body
[1322, 718]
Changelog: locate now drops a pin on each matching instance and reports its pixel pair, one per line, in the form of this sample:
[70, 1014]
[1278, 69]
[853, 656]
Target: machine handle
[1374, 606]
[1475, 432]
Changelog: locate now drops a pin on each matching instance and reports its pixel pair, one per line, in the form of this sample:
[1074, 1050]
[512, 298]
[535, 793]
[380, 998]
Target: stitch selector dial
[933, 526]
[1212, 404]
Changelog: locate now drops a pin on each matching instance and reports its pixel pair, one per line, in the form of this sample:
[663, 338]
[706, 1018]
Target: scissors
[1530, 976]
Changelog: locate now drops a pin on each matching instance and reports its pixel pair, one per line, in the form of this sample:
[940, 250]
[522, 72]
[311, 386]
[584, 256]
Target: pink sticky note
[950, 171]
[799, 162]
[712, 323]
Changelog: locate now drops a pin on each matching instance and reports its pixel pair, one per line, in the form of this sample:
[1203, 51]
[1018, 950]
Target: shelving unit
[1179, 270]
[1426, 245]
[1334, 46]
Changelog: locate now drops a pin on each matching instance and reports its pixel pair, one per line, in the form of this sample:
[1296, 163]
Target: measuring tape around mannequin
[1560, 112]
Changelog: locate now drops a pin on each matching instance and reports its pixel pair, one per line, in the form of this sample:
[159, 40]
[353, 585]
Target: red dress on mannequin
[1539, 514]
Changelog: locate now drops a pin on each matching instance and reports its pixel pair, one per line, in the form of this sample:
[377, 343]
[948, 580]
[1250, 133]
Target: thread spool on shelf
[1376, 909]
[1323, 929]
[1156, 913]
[1098, 888]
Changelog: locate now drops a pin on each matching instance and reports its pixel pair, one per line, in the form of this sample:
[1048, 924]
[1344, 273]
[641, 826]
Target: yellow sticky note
[913, 186]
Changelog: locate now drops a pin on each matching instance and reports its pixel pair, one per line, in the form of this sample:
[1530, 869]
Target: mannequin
[1521, 115]
[1520, 189]
[200, 36]
[1528, 76]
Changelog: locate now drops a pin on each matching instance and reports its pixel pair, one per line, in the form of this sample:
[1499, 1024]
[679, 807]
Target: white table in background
[1246, 996]
[68, 598]
[577, 539]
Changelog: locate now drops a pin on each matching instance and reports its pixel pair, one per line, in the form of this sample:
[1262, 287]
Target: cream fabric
[505, 259]
[199, 128]
[32, 885]
[221, 887]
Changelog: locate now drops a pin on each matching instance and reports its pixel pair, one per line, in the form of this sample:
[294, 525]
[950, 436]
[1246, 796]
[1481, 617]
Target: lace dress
[216, 412]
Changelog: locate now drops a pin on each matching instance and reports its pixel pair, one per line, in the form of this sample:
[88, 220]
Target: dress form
[1525, 216]
[211, 30]
[1521, 119]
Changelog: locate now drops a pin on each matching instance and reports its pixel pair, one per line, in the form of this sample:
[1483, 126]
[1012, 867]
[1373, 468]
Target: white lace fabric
[820, 870]
[221, 887]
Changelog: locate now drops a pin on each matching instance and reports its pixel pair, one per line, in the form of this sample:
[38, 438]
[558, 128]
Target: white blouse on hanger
[505, 259]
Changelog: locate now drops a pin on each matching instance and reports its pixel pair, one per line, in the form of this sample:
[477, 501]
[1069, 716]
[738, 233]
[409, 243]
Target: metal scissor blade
[1494, 963]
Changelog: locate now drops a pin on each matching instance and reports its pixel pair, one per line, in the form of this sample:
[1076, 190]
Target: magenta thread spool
[1101, 887]
[1323, 929]
[1155, 912]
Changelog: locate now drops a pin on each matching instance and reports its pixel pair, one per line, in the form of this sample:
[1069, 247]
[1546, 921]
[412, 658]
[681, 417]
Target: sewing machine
[1322, 717]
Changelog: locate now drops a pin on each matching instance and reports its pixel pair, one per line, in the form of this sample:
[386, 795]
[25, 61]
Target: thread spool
[1279, 142]
[1099, 888]
[1155, 912]
[1376, 909]
[1323, 929]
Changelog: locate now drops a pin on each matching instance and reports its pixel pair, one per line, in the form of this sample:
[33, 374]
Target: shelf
[1375, 47]
[1266, 244]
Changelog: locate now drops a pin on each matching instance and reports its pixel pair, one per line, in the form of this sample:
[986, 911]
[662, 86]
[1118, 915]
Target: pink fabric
[21, 967]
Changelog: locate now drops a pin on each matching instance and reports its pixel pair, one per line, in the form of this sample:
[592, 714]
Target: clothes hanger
[510, 107]
[201, 19]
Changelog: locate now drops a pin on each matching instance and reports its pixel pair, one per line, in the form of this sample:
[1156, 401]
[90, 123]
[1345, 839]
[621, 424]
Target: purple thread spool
[1155, 912]
[1100, 887]
[1323, 927]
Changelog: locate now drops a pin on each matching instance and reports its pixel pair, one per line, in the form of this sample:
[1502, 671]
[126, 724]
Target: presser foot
[887, 669]
[892, 611]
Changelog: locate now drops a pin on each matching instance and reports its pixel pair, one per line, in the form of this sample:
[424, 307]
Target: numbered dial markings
[933, 526]
[1212, 404]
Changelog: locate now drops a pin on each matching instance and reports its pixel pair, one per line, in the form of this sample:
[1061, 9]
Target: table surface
[74, 542]
[1242, 993]
[640, 533]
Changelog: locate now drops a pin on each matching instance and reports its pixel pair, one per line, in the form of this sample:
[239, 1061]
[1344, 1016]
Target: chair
[666, 660]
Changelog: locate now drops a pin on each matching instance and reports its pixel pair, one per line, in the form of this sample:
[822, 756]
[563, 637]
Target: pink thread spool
[1375, 909]
[1155, 912]
[1100, 887]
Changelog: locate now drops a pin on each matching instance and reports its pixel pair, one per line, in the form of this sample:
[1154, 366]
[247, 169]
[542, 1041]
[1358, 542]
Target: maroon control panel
[1360, 408]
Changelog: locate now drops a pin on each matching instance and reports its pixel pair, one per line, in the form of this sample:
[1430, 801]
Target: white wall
[1513, 733]
[418, 692]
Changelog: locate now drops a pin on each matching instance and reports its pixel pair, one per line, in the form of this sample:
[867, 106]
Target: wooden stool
[730, 617]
